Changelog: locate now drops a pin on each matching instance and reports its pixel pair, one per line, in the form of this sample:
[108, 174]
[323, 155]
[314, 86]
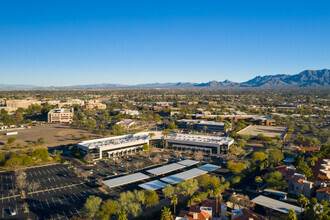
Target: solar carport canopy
[276, 205]
[209, 167]
[188, 162]
[186, 175]
[153, 185]
[124, 180]
[165, 169]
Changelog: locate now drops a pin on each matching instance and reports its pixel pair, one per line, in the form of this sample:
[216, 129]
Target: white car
[12, 212]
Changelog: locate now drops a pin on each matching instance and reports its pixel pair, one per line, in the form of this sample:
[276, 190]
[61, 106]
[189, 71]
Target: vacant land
[54, 134]
[269, 131]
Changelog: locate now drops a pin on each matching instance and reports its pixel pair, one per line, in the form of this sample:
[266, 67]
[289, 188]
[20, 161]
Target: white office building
[115, 146]
[212, 144]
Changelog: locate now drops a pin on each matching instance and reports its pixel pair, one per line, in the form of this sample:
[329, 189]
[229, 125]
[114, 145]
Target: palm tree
[258, 180]
[165, 133]
[218, 197]
[150, 138]
[174, 202]
[166, 214]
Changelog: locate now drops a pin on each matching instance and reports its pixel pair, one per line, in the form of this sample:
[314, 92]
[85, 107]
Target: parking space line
[47, 203]
[66, 199]
[53, 201]
[59, 217]
[65, 215]
[76, 196]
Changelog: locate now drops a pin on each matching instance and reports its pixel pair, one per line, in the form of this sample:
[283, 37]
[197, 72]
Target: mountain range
[307, 78]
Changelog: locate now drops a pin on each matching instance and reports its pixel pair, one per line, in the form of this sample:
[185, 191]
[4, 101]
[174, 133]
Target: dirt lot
[269, 131]
[54, 134]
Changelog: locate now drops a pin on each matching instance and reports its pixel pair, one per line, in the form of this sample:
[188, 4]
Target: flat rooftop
[188, 162]
[256, 117]
[276, 205]
[200, 138]
[186, 175]
[124, 180]
[209, 167]
[166, 169]
[269, 131]
[112, 141]
[202, 122]
[153, 185]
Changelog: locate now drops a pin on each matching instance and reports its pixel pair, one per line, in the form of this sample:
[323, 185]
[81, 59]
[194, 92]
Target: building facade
[60, 115]
[114, 146]
[211, 144]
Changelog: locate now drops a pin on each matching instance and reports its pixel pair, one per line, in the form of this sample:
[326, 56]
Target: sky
[60, 42]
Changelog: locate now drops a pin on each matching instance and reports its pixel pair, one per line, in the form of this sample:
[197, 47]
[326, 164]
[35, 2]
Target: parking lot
[61, 194]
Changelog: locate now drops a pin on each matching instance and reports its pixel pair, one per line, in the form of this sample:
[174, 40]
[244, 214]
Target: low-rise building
[212, 144]
[126, 123]
[114, 146]
[201, 125]
[323, 194]
[93, 106]
[60, 115]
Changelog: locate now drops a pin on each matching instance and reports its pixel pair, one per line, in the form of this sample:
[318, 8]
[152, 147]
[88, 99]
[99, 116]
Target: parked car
[12, 212]
[114, 173]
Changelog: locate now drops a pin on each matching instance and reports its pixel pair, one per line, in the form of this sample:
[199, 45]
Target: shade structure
[153, 185]
[124, 180]
[189, 174]
[276, 205]
[209, 167]
[188, 162]
[165, 169]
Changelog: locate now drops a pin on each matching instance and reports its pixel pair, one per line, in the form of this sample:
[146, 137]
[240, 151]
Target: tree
[33, 186]
[109, 207]
[303, 201]
[146, 147]
[19, 117]
[275, 156]
[258, 156]
[198, 155]
[166, 214]
[218, 197]
[122, 216]
[187, 187]
[234, 200]
[275, 180]
[291, 215]
[151, 198]
[138, 164]
[236, 167]
[20, 177]
[129, 203]
[41, 141]
[174, 202]
[11, 140]
[91, 206]
[165, 133]
[258, 180]
[303, 168]
[168, 190]
[151, 135]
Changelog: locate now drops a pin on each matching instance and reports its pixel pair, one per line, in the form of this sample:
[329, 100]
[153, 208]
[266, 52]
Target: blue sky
[59, 42]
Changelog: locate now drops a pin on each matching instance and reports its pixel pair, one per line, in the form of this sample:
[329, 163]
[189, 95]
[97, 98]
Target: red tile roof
[247, 213]
[324, 190]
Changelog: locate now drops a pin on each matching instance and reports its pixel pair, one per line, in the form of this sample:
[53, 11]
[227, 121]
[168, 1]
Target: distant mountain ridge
[307, 78]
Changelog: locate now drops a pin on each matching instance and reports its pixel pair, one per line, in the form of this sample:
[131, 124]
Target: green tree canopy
[92, 206]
